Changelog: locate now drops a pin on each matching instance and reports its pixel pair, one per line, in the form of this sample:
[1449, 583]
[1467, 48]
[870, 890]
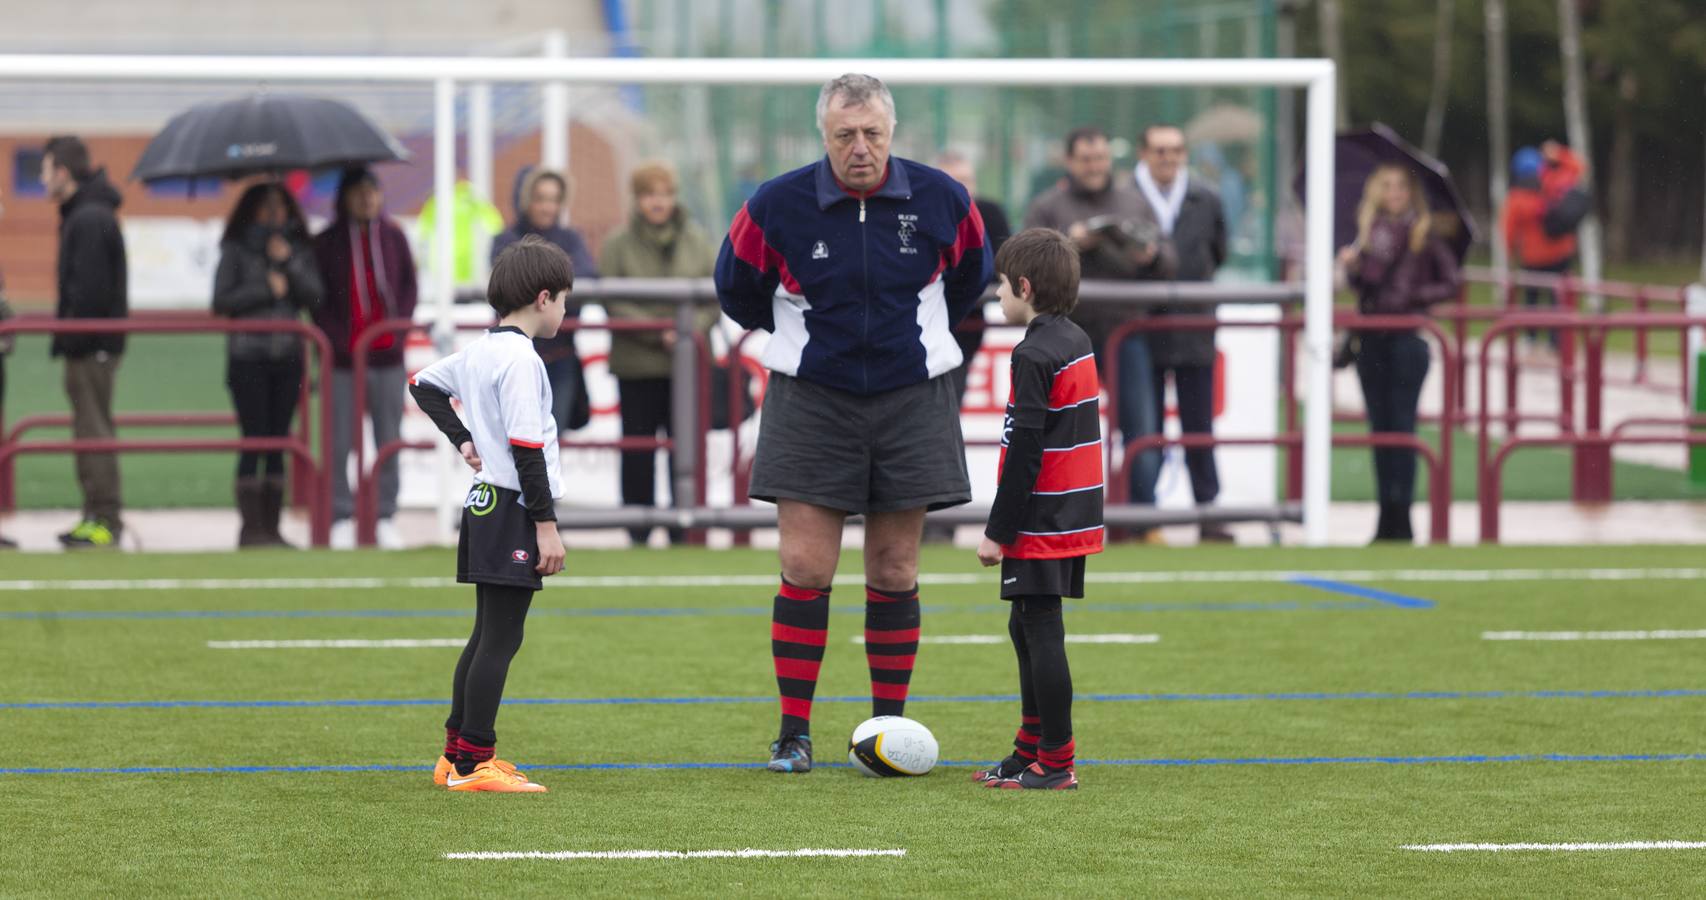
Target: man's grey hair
[853, 89]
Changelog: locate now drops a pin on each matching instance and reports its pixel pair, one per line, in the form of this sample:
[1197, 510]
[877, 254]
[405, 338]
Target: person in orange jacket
[1540, 180]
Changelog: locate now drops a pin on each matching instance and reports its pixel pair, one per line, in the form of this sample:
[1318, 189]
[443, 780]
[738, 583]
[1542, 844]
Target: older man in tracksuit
[859, 266]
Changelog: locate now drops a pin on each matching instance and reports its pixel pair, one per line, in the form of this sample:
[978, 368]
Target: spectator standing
[659, 241]
[1118, 239]
[1398, 267]
[368, 274]
[266, 272]
[1191, 218]
[92, 285]
[5, 348]
[1540, 182]
[996, 229]
[541, 195]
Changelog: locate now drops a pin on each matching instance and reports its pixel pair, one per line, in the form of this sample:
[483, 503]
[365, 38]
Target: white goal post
[1315, 76]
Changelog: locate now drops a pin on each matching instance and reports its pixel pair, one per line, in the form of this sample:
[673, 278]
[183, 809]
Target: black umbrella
[1358, 153]
[261, 134]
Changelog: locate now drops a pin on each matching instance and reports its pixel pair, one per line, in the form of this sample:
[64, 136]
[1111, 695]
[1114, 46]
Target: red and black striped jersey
[1054, 429]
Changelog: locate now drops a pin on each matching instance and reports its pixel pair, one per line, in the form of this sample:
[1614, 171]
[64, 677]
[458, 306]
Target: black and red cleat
[1007, 768]
[1037, 778]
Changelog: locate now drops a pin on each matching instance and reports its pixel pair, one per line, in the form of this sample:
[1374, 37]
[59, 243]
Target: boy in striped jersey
[1048, 509]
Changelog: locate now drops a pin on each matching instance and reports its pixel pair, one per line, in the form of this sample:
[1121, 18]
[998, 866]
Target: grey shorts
[884, 453]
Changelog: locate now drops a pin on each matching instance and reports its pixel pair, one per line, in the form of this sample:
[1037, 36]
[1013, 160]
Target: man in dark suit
[1191, 217]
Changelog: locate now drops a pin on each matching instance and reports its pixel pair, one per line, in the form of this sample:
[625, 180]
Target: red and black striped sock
[799, 629]
[450, 736]
[891, 646]
[470, 754]
[1025, 740]
[1060, 757]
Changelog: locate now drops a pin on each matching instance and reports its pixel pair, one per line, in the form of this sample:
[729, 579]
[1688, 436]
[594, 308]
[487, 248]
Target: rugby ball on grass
[892, 746]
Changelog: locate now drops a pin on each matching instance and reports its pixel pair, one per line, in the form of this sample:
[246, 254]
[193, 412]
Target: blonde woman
[660, 241]
[1397, 266]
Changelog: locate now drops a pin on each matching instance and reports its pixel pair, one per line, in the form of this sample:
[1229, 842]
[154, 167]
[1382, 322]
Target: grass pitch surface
[1283, 736]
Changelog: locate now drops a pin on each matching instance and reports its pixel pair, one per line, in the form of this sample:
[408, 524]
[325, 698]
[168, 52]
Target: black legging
[646, 408]
[265, 394]
[1392, 367]
[1045, 679]
[500, 614]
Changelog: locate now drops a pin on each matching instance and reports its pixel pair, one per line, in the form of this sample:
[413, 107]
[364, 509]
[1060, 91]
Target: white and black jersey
[506, 411]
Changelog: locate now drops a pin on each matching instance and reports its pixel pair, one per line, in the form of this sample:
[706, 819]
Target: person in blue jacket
[859, 266]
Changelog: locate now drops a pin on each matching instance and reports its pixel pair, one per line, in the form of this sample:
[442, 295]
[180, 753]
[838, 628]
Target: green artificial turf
[1214, 761]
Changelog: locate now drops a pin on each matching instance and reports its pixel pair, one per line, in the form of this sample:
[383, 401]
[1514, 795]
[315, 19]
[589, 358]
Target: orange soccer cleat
[445, 768]
[489, 776]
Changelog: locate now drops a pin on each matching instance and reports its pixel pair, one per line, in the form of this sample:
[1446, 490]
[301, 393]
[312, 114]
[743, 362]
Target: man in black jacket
[92, 285]
[1191, 217]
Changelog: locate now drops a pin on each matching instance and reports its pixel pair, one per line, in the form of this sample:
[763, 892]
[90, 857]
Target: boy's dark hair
[70, 152]
[525, 268]
[1083, 133]
[1049, 261]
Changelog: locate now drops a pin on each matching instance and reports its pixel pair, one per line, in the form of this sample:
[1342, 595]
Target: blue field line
[1356, 590]
[1449, 759]
[1276, 697]
[463, 612]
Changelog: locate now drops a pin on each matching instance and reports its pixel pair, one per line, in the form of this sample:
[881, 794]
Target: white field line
[347, 644]
[670, 854]
[1687, 635]
[1003, 639]
[1556, 848]
[689, 581]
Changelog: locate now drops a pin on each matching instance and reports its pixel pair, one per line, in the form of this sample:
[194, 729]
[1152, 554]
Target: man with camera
[1118, 239]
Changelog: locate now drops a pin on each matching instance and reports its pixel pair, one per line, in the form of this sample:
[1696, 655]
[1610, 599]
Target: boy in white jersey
[509, 521]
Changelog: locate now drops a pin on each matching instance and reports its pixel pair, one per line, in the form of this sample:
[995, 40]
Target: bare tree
[1576, 123]
[1435, 124]
[1498, 121]
[1332, 41]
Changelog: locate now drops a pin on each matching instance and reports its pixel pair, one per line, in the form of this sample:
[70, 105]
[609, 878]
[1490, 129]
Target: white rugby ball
[892, 746]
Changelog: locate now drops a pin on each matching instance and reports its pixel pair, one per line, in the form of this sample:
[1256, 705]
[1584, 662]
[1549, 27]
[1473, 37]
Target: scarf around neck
[1166, 205]
[359, 261]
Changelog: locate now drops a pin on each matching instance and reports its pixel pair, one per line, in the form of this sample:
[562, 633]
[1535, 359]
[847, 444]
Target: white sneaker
[343, 534]
[388, 536]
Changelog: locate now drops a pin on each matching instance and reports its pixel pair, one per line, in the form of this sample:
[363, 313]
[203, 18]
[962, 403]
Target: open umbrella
[1358, 153]
[261, 134]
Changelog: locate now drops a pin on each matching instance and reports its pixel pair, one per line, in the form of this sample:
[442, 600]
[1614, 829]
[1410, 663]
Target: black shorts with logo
[1042, 577]
[886, 452]
[499, 544]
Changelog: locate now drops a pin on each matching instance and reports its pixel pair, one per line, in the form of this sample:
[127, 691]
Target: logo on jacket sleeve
[820, 250]
[908, 227]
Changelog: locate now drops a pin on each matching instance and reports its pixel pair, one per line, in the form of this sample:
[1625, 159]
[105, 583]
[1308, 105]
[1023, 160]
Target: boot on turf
[791, 753]
[1007, 768]
[489, 776]
[442, 771]
[1037, 778]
